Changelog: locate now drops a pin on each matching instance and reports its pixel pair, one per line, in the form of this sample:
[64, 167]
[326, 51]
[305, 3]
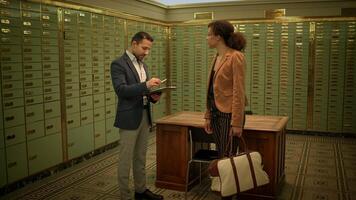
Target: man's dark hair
[139, 36]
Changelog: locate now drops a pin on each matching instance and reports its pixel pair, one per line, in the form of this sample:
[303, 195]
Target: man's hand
[153, 82]
[207, 126]
[155, 97]
[236, 131]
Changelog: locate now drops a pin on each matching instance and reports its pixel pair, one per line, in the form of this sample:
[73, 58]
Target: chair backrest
[199, 135]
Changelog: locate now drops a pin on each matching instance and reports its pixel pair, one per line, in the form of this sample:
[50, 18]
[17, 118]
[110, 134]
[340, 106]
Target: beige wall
[233, 10]
[330, 8]
[132, 7]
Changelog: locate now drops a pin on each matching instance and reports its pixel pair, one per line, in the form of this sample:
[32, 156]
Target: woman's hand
[207, 127]
[236, 131]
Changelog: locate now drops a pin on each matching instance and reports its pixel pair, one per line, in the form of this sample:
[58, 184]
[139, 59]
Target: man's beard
[139, 58]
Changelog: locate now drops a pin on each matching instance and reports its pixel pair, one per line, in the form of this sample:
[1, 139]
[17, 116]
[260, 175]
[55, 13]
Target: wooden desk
[265, 134]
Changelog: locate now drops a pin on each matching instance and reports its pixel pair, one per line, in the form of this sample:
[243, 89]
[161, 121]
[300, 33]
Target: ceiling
[180, 2]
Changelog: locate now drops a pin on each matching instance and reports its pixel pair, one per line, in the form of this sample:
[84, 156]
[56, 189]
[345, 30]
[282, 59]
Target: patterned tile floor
[317, 168]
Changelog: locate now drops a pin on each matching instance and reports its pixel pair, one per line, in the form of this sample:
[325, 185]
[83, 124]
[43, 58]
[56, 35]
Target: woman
[226, 90]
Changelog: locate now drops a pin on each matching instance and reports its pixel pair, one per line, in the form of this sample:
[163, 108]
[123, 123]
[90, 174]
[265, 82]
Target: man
[131, 82]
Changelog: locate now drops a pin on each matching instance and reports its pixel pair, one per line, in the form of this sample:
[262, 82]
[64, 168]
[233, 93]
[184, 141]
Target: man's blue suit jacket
[130, 92]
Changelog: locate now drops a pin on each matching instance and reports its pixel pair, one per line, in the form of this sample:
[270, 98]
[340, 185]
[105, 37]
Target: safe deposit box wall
[57, 100]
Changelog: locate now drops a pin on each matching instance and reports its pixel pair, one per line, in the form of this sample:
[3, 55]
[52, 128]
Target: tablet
[161, 89]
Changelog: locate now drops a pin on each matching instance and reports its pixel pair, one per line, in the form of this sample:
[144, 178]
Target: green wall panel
[99, 133]
[16, 161]
[279, 58]
[321, 77]
[336, 76]
[3, 172]
[44, 152]
[111, 132]
[349, 108]
[80, 141]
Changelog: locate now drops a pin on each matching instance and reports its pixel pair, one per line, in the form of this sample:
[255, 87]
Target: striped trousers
[221, 125]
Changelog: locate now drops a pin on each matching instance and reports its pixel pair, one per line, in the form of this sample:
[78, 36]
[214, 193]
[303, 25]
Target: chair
[202, 155]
